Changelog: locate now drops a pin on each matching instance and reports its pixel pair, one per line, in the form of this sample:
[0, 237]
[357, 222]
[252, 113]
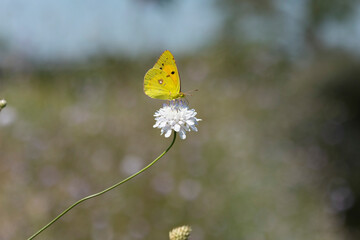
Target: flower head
[176, 116]
[180, 233]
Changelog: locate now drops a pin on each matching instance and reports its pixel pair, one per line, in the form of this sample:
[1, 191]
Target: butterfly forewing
[166, 62]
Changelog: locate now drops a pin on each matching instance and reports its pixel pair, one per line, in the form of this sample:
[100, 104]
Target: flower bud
[180, 233]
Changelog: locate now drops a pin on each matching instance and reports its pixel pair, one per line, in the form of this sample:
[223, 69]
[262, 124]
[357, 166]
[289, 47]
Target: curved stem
[104, 191]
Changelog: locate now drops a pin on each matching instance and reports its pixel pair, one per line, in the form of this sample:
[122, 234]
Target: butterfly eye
[172, 72]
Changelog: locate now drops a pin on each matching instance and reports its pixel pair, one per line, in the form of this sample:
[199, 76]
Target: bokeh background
[277, 152]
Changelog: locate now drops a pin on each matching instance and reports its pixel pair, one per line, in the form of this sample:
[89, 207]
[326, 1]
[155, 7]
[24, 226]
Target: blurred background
[277, 152]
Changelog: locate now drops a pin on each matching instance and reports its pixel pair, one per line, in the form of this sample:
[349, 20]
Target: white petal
[182, 134]
[168, 133]
[177, 127]
[162, 124]
[156, 124]
[190, 122]
[165, 129]
[194, 128]
[172, 123]
[186, 127]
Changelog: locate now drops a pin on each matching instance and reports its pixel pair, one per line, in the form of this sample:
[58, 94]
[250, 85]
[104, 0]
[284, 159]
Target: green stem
[104, 191]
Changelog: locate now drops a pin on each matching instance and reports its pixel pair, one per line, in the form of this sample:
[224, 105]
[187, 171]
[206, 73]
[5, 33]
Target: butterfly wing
[159, 84]
[166, 62]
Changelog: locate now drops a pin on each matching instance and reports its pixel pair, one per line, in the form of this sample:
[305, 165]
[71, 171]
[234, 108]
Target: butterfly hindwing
[159, 84]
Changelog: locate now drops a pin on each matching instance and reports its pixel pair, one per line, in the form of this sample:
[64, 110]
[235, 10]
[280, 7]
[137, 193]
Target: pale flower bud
[180, 233]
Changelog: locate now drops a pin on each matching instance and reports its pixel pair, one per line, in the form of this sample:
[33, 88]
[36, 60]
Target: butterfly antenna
[189, 92]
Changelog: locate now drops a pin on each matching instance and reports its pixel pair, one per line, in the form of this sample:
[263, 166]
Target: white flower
[176, 116]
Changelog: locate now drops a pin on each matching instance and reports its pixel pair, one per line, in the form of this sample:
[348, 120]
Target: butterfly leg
[186, 101]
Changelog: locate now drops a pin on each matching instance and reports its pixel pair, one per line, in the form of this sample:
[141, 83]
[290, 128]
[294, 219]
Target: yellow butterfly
[163, 81]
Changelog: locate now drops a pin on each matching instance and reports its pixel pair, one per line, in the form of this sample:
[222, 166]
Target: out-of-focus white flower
[2, 103]
[176, 116]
